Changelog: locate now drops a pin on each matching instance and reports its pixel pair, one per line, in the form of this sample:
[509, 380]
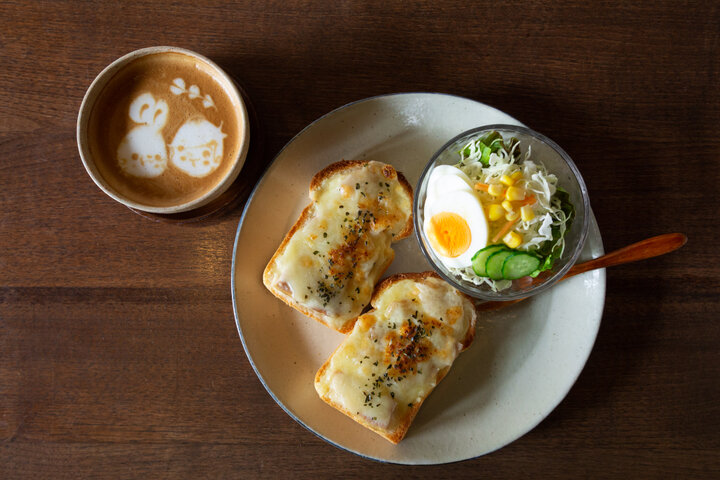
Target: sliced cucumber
[494, 263]
[518, 265]
[479, 259]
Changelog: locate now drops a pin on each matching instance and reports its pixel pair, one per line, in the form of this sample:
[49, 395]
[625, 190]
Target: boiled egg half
[455, 223]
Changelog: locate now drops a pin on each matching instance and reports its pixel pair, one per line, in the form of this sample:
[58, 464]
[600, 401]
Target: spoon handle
[648, 248]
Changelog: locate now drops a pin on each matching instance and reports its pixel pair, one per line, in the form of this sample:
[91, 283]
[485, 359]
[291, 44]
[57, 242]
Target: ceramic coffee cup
[163, 130]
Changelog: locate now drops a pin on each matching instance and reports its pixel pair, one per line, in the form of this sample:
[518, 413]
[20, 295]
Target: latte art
[178, 88]
[142, 153]
[197, 148]
[165, 130]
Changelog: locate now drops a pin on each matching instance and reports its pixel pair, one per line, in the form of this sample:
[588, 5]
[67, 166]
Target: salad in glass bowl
[501, 212]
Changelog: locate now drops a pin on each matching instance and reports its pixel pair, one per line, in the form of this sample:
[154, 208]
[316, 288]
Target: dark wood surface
[119, 355]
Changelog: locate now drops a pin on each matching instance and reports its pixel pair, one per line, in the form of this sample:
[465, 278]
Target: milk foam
[143, 153]
[196, 149]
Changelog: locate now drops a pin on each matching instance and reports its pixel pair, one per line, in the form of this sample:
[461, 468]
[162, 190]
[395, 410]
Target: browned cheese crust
[388, 171]
[335, 168]
[397, 434]
[419, 277]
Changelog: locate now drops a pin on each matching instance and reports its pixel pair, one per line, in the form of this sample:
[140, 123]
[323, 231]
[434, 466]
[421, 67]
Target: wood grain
[119, 355]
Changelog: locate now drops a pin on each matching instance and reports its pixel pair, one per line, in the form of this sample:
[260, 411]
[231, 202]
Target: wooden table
[119, 355]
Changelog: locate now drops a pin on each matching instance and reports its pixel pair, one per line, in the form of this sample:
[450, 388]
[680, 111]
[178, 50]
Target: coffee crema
[164, 130]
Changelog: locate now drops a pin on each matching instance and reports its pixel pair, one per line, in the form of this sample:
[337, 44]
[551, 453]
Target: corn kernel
[507, 205]
[512, 240]
[507, 180]
[496, 189]
[516, 175]
[527, 213]
[515, 193]
[511, 216]
[495, 212]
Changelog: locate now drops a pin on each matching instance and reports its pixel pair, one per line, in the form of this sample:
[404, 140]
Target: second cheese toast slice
[398, 352]
[329, 262]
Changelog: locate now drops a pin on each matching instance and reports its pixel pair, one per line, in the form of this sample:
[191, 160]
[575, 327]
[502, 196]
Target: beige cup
[130, 172]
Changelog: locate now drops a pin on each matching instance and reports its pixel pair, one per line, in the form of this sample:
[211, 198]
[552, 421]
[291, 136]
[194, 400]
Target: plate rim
[260, 377]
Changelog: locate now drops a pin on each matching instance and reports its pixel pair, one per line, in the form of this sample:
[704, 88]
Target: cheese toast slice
[329, 262]
[398, 352]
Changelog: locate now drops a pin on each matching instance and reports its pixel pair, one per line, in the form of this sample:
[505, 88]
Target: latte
[165, 131]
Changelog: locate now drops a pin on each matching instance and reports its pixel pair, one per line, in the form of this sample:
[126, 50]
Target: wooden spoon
[648, 248]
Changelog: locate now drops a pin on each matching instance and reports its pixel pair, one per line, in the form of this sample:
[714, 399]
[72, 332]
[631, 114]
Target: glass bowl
[557, 162]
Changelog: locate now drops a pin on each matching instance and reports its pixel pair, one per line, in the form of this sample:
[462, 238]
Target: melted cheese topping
[391, 360]
[331, 264]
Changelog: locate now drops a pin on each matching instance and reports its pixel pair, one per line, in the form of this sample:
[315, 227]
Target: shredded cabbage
[469, 275]
[549, 218]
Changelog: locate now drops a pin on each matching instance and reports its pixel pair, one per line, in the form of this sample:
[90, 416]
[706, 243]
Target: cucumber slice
[494, 263]
[479, 259]
[519, 264]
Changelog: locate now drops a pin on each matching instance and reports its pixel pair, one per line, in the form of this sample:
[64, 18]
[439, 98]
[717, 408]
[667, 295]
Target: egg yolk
[449, 234]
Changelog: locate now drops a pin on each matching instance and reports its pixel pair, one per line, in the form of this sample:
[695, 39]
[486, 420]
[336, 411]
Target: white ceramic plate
[524, 359]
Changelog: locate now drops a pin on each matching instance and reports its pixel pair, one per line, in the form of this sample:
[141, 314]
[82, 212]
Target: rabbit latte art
[164, 130]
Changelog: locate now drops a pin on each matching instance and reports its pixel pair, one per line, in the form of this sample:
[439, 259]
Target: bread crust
[396, 435]
[335, 168]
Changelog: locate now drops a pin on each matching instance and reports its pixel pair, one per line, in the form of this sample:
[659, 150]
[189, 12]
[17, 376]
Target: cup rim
[557, 275]
[92, 94]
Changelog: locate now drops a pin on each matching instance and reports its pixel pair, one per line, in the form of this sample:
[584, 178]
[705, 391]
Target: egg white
[468, 206]
[447, 178]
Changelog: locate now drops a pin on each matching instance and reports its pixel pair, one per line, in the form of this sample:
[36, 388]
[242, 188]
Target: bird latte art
[164, 130]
